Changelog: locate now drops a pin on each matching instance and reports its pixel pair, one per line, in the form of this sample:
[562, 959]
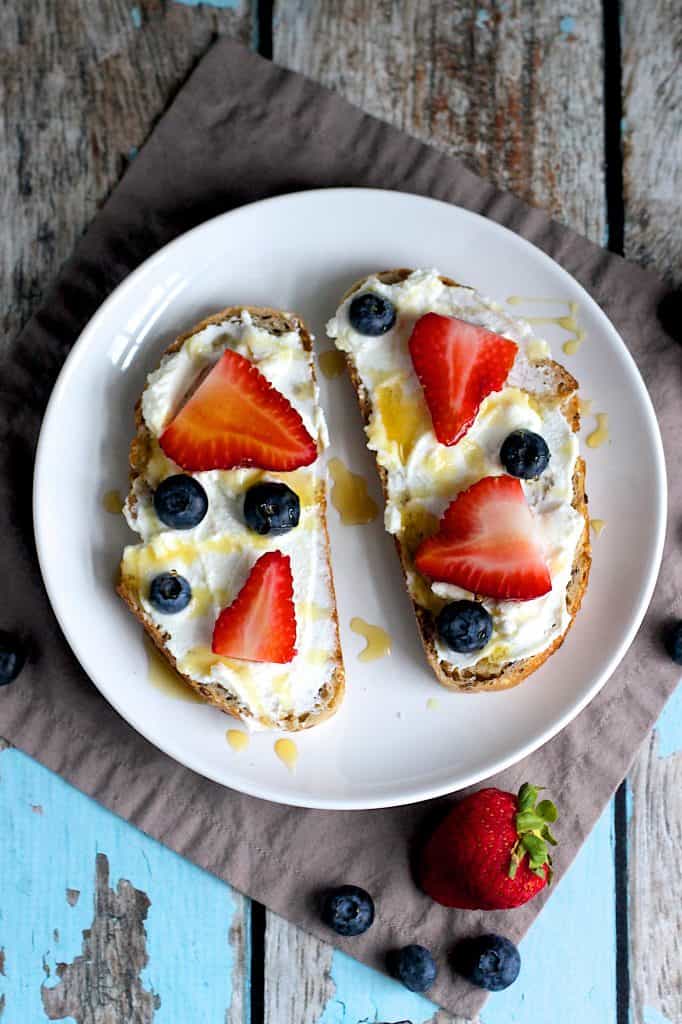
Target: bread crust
[276, 322]
[486, 676]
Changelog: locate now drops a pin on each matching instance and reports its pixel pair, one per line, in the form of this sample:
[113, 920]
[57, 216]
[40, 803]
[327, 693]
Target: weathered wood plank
[655, 832]
[513, 88]
[516, 91]
[102, 923]
[81, 85]
[651, 36]
[652, 134]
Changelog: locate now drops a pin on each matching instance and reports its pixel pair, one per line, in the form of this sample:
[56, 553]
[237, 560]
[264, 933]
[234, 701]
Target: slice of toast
[489, 672]
[220, 551]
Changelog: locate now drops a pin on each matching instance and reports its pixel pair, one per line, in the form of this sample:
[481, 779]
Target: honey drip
[601, 434]
[287, 752]
[432, 704]
[332, 363]
[349, 495]
[237, 739]
[163, 677]
[112, 502]
[378, 642]
[598, 526]
[404, 419]
[568, 322]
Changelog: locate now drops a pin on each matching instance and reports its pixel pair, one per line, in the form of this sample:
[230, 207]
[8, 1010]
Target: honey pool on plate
[349, 495]
[377, 640]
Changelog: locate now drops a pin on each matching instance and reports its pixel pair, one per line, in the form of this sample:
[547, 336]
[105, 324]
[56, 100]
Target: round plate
[389, 744]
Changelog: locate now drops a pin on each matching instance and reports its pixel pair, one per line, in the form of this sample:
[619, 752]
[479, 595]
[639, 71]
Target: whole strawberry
[491, 851]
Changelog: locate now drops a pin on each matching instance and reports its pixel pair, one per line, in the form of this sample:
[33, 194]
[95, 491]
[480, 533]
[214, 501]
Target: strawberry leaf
[534, 835]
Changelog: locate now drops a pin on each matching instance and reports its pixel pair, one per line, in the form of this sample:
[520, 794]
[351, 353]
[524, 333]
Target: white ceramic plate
[385, 746]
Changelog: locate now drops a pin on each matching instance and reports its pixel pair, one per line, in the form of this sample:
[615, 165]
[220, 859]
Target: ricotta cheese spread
[217, 555]
[424, 476]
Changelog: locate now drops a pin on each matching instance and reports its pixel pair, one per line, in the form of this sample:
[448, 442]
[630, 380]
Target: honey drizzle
[568, 323]
[112, 502]
[237, 739]
[601, 434]
[378, 641]
[598, 526]
[332, 363]
[287, 752]
[163, 677]
[349, 495]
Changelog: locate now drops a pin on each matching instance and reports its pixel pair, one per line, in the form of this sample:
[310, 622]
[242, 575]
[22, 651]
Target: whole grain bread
[275, 322]
[487, 675]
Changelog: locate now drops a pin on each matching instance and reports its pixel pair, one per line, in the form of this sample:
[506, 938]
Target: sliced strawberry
[236, 418]
[458, 365]
[488, 543]
[260, 624]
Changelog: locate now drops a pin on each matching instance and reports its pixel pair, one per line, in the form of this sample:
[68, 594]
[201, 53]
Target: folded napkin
[242, 129]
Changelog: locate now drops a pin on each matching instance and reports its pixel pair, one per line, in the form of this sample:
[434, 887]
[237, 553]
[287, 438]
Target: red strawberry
[487, 543]
[260, 624]
[458, 365]
[490, 852]
[236, 418]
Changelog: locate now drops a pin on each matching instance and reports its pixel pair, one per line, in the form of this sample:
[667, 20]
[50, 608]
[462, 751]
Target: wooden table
[575, 107]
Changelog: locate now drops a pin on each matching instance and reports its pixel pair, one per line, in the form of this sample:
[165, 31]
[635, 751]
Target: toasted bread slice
[486, 674]
[291, 710]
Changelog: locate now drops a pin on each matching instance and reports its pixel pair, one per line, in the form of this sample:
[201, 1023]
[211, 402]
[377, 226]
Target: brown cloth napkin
[242, 129]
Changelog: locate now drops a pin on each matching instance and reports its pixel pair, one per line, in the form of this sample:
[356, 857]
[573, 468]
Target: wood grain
[81, 86]
[655, 881]
[515, 89]
[652, 134]
[103, 984]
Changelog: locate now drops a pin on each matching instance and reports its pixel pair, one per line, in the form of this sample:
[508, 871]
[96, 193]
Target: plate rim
[417, 793]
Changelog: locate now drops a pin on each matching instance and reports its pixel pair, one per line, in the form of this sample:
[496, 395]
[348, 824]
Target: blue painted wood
[50, 837]
[568, 959]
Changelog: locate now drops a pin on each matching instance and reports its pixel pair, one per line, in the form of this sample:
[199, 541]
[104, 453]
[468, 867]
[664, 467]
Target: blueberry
[180, 502]
[348, 909]
[673, 641]
[414, 966]
[465, 626]
[371, 314]
[12, 657]
[170, 593]
[489, 961]
[271, 508]
[524, 454]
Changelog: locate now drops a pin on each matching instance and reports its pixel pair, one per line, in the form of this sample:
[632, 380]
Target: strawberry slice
[237, 418]
[488, 543]
[458, 365]
[260, 624]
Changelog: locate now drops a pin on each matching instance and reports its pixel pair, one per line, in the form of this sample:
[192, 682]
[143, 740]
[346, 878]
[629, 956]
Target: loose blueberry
[12, 657]
[489, 961]
[170, 593]
[371, 314]
[673, 641]
[271, 508]
[465, 626]
[414, 966]
[525, 454]
[180, 502]
[348, 910]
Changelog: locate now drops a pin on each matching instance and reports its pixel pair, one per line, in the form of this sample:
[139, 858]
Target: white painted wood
[655, 881]
[652, 133]
[515, 89]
